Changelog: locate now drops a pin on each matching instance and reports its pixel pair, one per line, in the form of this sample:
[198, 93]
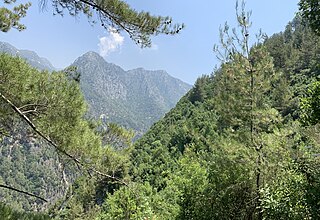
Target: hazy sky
[186, 56]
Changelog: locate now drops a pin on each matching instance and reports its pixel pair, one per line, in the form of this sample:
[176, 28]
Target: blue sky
[186, 56]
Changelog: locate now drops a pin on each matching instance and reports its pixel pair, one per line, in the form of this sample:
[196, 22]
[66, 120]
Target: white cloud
[110, 43]
[154, 47]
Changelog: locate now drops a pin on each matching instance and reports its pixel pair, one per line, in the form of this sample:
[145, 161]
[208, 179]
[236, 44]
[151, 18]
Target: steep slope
[134, 99]
[159, 90]
[31, 57]
[296, 62]
[204, 152]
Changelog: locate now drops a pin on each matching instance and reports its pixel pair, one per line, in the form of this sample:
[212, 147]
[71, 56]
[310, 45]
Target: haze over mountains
[135, 99]
[30, 56]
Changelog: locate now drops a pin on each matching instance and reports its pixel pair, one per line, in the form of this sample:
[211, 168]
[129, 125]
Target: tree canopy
[113, 15]
[310, 10]
[242, 144]
[10, 18]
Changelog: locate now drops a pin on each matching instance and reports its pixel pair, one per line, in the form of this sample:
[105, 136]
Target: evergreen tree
[114, 15]
[11, 18]
[310, 105]
[49, 107]
[310, 10]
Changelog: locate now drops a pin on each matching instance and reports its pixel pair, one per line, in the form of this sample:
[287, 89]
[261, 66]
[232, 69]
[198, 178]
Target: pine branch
[109, 15]
[77, 161]
[32, 105]
[23, 192]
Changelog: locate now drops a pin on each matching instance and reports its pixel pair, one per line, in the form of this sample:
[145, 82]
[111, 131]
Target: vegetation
[310, 10]
[134, 99]
[242, 144]
[9, 214]
[114, 15]
[10, 18]
[44, 130]
[226, 147]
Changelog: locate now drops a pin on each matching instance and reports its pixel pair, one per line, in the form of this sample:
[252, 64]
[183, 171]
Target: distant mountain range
[135, 99]
[31, 57]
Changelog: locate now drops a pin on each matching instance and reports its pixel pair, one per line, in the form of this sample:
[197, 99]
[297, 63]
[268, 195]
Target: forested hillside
[239, 144]
[30, 163]
[243, 143]
[134, 99]
[46, 141]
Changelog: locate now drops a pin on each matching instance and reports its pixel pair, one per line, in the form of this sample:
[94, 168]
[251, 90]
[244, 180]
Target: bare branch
[77, 161]
[32, 105]
[23, 192]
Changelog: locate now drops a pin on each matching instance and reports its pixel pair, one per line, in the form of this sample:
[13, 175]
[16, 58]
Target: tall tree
[53, 107]
[242, 100]
[310, 10]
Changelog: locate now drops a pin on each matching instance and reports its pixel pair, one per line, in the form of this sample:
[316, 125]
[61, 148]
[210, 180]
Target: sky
[186, 56]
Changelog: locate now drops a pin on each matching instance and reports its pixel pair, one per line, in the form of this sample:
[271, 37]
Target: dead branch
[23, 192]
[36, 130]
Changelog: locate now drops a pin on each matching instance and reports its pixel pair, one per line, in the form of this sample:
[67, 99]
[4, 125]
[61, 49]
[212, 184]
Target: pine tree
[11, 18]
[310, 10]
[242, 100]
[113, 15]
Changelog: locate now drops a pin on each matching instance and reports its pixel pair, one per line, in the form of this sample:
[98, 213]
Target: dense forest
[243, 143]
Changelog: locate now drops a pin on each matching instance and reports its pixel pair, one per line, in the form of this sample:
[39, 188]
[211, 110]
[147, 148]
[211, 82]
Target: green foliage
[117, 15]
[232, 148]
[310, 10]
[296, 195]
[114, 16]
[198, 93]
[54, 104]
[10, 18]
[285, 199]
[155, 155]
[87, 194]
[115, 136]
[235, 97]
[137, 201]
[29, 164]
[224, 150]
[310, 105]
[294, 54]
[211, 184]
[79, 202]
[10, 214]
[56, 107]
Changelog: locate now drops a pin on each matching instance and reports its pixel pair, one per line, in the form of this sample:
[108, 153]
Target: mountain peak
[134, 98]
[8, 48]
[93, 61]
[92, 56]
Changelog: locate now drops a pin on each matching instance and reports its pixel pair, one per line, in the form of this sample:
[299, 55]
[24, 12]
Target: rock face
[31, 57]
[135, 98]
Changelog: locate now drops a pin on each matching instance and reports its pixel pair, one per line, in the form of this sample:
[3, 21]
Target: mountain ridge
[30, 56]
[133, 98]
[139, 94]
